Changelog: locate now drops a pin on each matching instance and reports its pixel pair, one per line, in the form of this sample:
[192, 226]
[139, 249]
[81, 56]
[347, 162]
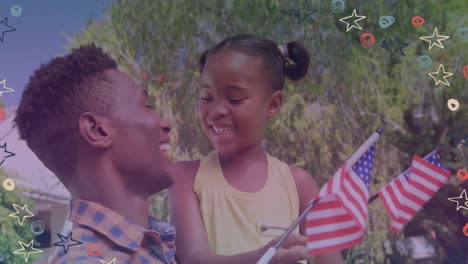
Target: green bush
[10, 230]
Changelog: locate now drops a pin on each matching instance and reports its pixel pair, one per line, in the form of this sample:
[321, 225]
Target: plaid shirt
[106, 235]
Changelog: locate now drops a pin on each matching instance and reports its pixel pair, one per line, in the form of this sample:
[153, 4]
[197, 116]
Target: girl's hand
[293, 250]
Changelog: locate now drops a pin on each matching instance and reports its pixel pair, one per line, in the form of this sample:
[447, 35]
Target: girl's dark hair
[294, 66]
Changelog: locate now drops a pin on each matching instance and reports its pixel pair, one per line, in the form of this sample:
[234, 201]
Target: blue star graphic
[6, 151]
[304, 13]
[2, 36]
[65, 242]
[396, 40]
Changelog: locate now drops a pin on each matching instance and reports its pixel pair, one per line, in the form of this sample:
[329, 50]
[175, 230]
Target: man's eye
[205, 99]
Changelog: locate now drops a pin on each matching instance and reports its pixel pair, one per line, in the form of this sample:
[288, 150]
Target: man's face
[137, 135]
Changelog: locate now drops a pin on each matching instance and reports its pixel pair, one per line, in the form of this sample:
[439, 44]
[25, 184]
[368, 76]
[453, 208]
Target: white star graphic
[31, 246]
[24, 208]
[105, 262]
[7, 90]
[454, 199]
[356, 25]
[446, 74]
[437, 42]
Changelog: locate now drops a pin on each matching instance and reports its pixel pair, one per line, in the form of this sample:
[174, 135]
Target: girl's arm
[191, 239]
[307, 189]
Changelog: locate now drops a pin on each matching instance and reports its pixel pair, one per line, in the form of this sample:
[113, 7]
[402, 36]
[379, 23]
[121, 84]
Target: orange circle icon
[367, 40]
[94, 250]
[462, 174]
[465, 230]
[2, 114]
[417, 21]
[465, 71]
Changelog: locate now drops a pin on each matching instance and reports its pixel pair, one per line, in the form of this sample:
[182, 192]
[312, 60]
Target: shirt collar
[115, 227]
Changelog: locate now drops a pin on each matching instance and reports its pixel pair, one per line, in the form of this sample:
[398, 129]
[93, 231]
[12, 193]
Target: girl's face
[235, 99]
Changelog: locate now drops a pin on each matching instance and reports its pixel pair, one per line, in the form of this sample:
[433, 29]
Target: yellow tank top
[237, 221]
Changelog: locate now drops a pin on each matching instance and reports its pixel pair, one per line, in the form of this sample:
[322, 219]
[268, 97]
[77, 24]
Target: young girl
[229, 206]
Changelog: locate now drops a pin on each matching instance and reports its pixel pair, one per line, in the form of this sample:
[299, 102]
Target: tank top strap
[207, 173]
[283, 178]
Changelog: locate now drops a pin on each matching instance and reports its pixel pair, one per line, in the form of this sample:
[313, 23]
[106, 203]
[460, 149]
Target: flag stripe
[333, 244]
[433, 170]
[387, 196]
[437, 180]
[359, 191]
[423, 184]
[326, 228]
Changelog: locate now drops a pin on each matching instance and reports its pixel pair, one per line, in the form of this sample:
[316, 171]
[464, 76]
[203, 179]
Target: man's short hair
[55, 97]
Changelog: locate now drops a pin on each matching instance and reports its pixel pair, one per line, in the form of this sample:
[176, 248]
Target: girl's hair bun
[296, 67]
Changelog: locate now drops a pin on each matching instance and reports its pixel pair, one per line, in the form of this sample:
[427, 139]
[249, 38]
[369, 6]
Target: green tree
[348, 92]
[10, 230]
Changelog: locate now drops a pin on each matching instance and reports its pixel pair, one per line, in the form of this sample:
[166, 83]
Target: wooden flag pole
[270, 253]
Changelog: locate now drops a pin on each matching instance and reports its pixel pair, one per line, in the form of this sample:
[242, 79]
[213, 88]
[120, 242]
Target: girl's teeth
[164, 147]
[222, 130]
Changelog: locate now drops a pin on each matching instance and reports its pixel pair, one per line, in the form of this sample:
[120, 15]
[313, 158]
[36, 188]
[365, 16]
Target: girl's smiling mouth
[222, 130]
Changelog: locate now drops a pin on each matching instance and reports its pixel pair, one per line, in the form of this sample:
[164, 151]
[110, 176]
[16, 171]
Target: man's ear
[94, 131]
[274, 106]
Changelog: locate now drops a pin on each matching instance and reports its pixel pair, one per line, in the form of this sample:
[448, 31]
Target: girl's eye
[236, 101]
[150, 106]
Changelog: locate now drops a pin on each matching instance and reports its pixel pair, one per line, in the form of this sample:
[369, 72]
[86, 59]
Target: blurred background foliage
[10, 230]
[348, 92]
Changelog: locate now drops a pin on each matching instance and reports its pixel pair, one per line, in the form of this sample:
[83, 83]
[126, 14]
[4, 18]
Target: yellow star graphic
[439, 38]
[26, 255]
[355, 24]
[105, 262]
[24, 208]
[454, 199]
[446, 74]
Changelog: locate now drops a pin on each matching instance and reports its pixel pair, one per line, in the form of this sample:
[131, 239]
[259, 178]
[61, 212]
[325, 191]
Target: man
[92, 125]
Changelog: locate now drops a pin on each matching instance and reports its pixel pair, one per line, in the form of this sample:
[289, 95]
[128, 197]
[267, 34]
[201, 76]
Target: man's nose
[166, 125]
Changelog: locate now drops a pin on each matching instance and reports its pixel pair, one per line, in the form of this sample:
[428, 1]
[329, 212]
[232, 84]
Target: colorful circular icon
[94, 250]
[462, 34]
[367, 40]
[417, 21]
[465, 71]
[424, 62]
[9, 185]
[462, 174]
[465, 230]
[37, 227]
[453, 104]
[386, 21]
[337, 6]
[16, 11]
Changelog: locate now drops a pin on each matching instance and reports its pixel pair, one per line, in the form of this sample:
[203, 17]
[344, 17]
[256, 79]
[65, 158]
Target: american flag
[404, 196]
[338, 220]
